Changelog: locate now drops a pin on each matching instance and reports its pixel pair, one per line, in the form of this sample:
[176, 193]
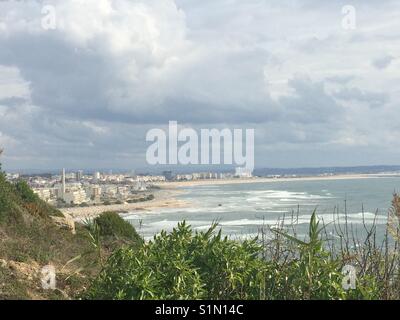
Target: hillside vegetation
[30, 239]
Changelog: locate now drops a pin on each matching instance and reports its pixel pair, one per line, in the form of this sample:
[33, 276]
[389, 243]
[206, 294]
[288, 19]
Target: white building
[184, 177]
[241, 172]
[96, 175]
[122, 190]
[43, 193]
[109, 191]
[79, 175]
[75, 196]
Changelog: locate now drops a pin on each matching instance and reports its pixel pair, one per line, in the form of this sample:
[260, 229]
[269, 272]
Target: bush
[313, 272]
[6, 199]
[18, 201]
[183, 265]
[202, 265]
[25, 192]
[112, 225]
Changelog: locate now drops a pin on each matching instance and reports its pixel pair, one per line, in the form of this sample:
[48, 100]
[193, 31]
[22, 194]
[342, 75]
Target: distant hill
[326, 170]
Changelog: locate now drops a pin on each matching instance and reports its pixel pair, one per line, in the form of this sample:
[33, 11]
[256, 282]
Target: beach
[163, 198]
[166, 197]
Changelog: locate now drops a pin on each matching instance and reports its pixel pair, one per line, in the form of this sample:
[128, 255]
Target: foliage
[110, 224]
[25, 192]
[28, 236]
[204, 265]
[18, 203]
[183, 265]
[316, 274]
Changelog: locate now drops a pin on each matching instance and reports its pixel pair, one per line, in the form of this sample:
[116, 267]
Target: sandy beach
[166, 197]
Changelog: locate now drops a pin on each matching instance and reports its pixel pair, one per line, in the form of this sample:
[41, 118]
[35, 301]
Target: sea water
[243, 209]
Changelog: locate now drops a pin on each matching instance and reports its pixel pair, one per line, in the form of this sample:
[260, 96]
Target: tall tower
[63, 182]
[78, 175]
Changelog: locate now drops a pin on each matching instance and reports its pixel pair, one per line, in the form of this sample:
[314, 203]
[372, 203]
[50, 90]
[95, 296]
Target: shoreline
[178, 184]
[166, 196]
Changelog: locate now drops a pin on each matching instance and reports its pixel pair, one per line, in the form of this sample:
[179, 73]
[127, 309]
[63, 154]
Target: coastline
[166, 196]
[178, 184]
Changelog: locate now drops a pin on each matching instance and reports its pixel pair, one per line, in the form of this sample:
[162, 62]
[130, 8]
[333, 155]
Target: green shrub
[12, 205]
[112, 225]
[18, 200]
[183, 265]
[6, 203]
[315, 274]
[202, 265]
[25, 192]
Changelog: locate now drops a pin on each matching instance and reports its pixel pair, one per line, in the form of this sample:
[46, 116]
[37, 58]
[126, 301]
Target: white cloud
[113, 68]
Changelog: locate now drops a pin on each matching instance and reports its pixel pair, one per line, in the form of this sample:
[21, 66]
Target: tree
[1, 151]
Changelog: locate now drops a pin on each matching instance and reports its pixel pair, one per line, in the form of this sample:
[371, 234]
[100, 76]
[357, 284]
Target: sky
[83, 89]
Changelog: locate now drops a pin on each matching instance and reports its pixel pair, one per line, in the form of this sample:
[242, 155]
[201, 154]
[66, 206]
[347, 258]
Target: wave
[287, 195]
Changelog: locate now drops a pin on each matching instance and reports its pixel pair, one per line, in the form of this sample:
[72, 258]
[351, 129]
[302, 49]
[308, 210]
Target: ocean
[243, 209]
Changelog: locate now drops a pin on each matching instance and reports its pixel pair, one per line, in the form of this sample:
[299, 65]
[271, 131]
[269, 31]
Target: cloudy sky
[84, 94]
